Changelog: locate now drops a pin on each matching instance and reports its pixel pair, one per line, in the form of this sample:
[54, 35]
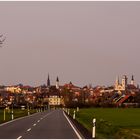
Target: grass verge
[112, 123]
[17, 113]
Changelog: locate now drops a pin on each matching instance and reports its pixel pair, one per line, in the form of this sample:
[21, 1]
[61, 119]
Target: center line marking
[34, 124]
[38, 121]
[19, 137]
[29, 129]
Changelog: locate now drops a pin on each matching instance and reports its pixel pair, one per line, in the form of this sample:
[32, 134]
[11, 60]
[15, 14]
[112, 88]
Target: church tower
[57, 83]
[124, 82]
[48, 81]
[117, 82]
[132, 80]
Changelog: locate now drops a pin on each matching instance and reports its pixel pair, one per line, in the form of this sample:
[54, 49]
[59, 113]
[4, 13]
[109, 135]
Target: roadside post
[74, 114]
[77, 109]
[12, 113]
[4, 115]
[28, 111]
[93, 129]
[68, 111]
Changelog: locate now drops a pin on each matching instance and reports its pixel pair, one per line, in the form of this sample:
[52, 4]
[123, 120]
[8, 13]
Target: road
[43, 125]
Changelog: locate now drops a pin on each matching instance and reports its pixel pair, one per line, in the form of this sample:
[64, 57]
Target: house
[53, 92]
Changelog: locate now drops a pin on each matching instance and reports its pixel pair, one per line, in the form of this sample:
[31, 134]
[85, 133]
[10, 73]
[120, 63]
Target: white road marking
[38, 121]
[29, 129]
[34, 124]
[48, 114]
[18, 119]
[72, 127]
[41, 118]
[19, 137]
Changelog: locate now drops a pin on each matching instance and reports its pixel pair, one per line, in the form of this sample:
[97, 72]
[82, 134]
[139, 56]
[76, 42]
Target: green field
[111, 123]
[17, 113]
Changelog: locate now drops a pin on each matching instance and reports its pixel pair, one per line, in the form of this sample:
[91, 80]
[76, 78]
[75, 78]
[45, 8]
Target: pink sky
[82, 42]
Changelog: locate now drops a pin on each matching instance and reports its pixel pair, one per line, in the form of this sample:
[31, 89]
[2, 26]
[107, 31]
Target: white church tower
[124, 82]
[57, 83]
[121, 86]
[117, 83]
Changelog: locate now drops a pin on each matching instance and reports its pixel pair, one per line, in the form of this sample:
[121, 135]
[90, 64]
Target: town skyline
[50, 82]
[91, 44]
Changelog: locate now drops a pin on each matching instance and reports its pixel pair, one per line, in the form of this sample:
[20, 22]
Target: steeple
[57, 82]
[124, 82]
[57, 79]
[132, 80]
[48, 81]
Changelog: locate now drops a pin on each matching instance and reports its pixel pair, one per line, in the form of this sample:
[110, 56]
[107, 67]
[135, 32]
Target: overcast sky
[82, 42]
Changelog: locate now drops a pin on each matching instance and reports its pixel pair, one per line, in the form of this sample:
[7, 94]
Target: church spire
[57, 79]
[48, 81]
[132, 80]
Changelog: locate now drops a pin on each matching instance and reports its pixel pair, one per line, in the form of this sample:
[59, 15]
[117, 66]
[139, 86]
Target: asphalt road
[43, 125]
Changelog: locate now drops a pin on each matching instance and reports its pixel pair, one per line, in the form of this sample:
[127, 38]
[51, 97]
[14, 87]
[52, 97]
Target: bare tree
[2, 40]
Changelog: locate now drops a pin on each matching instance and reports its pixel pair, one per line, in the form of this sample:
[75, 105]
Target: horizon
[82, 42]
[54, 82]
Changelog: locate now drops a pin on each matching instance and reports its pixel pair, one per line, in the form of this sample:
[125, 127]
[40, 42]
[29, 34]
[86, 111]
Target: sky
[82, 42]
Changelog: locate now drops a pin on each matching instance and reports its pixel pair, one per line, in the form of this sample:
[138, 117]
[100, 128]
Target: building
[124, 92]
[13, 89]
[124, 86]
[53, 92]
[55, 100]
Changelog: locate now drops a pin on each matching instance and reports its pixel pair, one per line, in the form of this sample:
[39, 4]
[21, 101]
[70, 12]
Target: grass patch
[17, 113]
[111, 123]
